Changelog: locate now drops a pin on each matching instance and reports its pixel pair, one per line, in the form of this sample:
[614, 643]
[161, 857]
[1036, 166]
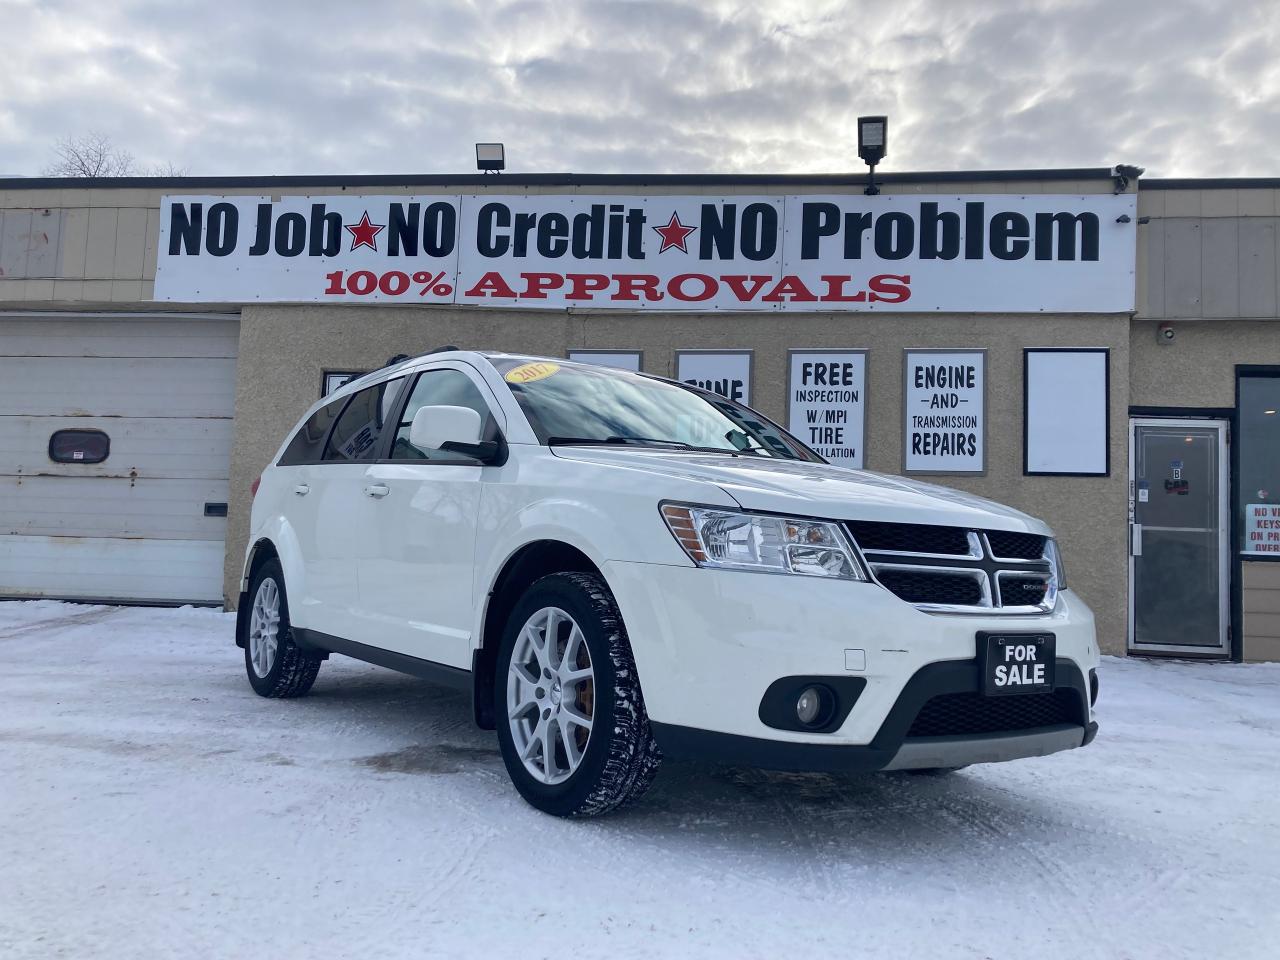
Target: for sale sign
[745, 253]
[826, 402]
[1262, 528]
[945, 411]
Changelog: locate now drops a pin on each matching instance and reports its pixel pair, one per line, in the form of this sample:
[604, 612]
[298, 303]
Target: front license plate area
[1014, 663]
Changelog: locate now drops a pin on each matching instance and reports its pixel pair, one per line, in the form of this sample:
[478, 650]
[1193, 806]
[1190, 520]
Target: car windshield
[578, 404]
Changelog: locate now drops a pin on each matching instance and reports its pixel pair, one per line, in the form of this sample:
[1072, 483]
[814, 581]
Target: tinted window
[440, 388]
[355, 435]
[568, 402]
[1259, 443]
[79, 446]
[308, 442]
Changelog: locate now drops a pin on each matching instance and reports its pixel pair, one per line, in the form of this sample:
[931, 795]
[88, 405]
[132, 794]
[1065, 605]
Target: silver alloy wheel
[550, 695]
[264, 627]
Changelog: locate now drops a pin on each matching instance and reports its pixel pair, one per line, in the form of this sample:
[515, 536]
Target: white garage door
[148, 521]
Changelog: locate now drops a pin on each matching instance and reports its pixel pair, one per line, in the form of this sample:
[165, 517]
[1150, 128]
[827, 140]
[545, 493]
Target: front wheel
[573, 729]
[277, 667]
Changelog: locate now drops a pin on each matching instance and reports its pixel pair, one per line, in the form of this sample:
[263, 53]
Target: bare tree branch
[94, 155]
[166, 169]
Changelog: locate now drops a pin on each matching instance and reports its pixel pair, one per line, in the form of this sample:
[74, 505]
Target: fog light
[813, 706]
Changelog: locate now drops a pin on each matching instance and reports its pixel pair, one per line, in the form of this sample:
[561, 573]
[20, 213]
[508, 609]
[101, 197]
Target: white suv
[620, 567]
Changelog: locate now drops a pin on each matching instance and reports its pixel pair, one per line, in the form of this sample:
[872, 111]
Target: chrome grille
[910, 538]
[1015, 546]
[957, 569]
[932, 586]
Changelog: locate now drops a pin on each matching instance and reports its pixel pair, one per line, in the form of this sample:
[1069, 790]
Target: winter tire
[572, 725]
[277, 667]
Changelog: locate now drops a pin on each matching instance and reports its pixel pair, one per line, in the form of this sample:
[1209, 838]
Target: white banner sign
[1262, 528]
[826, 402]
[945, 411]
[978, 253]
[726, 372]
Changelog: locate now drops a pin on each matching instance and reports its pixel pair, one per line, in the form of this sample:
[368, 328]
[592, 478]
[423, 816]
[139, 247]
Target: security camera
[1164, 333]
[1123, 173]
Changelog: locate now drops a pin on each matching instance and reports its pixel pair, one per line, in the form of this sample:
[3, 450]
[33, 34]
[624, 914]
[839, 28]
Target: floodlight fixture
[873, 143]
[491, 157]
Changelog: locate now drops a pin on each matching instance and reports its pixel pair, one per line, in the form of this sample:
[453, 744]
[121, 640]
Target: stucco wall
[1198, 367]
[284, 349]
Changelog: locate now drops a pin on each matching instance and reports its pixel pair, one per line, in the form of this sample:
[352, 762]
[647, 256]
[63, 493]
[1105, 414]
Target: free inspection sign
[980, 253]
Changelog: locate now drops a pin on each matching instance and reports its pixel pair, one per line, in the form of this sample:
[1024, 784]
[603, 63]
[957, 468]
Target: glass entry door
[1178, 537]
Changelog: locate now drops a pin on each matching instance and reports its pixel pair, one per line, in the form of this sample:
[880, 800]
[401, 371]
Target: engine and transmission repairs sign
[826, 402]
[945, 411]
[979, 253]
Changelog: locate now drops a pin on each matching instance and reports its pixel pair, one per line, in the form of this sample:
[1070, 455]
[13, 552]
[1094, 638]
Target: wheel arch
[529, 563]
[259, 552]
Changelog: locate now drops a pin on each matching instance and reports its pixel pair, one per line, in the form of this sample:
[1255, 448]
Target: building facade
[1100, 353]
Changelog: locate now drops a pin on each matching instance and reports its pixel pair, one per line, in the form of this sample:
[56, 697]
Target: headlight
[745, 541]
[1054, 556]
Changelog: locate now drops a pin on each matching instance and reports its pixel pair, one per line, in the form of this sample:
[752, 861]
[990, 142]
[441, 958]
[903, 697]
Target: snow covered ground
[152, 807]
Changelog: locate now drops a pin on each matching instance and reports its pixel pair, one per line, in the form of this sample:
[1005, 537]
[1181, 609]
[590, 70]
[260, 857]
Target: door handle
[1135, 539]
[302, 489]
[377, 490]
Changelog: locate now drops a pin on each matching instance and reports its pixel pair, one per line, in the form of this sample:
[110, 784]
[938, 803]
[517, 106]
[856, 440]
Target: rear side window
[440, 388]
[308, 442]
[355, 435]
[79, 446]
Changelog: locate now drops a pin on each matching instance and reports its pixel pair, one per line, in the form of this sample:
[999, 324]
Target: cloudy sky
[219, 87]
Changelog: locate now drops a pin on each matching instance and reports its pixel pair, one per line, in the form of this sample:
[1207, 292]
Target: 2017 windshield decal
[848, 252]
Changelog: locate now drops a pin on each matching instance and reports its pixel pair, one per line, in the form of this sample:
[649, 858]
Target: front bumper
[708, 643]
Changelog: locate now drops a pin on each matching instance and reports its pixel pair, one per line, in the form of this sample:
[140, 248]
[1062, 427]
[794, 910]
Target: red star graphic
[364, 233]
[674, 234]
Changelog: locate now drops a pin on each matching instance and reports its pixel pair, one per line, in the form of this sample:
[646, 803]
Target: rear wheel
[277, 667]
[572, 725]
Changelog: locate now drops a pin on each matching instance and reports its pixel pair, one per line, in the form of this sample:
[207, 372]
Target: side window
[355, 435]
[307, 443]
[440, 388]
[79, 446]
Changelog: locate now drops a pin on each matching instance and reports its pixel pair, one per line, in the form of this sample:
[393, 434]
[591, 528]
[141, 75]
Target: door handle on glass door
[377, 490]
[302, 489]
[1135, 539]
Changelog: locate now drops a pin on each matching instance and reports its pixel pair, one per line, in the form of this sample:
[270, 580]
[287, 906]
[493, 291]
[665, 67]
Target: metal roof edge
[857, 179]
[1211, 183]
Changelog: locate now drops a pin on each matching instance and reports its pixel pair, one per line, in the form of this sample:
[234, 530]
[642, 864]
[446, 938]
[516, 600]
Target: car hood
[817, 489]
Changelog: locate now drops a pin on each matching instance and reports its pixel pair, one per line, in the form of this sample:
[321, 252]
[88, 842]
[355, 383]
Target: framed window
[441, 388]
[1258, 449]
[1066, 423]
[726, 372]
[79, 446]
[355, 434]
[333, 380]
[632, 360]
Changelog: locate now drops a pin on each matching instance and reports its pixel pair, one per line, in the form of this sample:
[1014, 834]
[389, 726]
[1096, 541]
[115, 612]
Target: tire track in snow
[92, 615]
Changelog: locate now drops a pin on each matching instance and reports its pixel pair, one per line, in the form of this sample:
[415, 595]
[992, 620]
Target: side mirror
[451, 429]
